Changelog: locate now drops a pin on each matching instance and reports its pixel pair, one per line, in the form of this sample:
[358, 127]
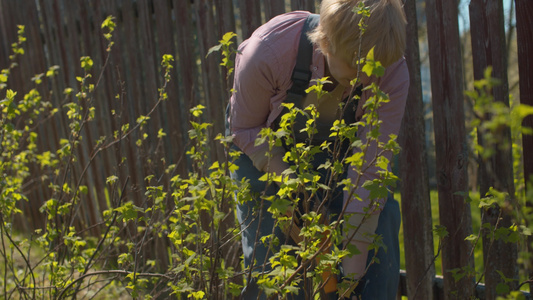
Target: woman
[263, 70]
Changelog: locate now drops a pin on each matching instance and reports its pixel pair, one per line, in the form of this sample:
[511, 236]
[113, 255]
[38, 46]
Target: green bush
[193, 215]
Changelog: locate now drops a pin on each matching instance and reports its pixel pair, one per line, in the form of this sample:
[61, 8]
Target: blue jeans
[381, 280]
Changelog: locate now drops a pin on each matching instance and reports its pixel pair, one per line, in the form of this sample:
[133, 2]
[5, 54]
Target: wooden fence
[59, 32]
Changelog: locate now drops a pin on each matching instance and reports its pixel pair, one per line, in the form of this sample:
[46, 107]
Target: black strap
[301, 75]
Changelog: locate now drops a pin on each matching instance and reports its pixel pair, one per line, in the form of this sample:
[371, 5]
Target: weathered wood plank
[11, 21]
[7, 36]
[33, 63]
[225, 13]
[524, 23]
[76, 49]
[124, 102]
[450, 136]
[106, 123]
[308, 5]
[488, 44]
[70, 67]
[170, 108]
[250, 12]
[134, 103]
[57, 127]
[150, 78]
[92, 172]
[25, 70]
[524, 11]
[274, 8]
[416, 204]
[226, 23]
[211, 78]
[188, 70]
[113, 110]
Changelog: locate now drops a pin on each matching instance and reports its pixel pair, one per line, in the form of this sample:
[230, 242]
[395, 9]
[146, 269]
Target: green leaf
[83, 189]
[142, 119]
[373, 67]
[441, 231]
[86, 63]
[376, 188]
[215, 165]
[197, 295]
[111, 179]
[226, 39]
[524, 110]
[280, 206]
[356, 160]
[214, 49]
[167, 61]
[457, 274]
[10, 94]
[128, 211]
[197, 110]
[361, 9]
[52, 71]
[471, 237]
[502, 288]
[352, 249]
[161, 133]
[108, 23]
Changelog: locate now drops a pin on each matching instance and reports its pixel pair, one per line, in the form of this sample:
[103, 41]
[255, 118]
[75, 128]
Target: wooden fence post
[250, 17]
[274, 8]
[186, 65]
[97, 11]
[524, 23]
[226, 23]
[308, 5]
[173, 115]
[416, 204]
[450, 136]
[212, 81]
[488, 44]
[225, 16]
[134, 84]
[5, 49]
[147, 42]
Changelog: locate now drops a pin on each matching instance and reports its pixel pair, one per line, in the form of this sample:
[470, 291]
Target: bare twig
[14, 244]
[108, 272]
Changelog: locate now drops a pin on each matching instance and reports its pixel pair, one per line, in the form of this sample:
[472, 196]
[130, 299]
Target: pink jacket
[263, 75]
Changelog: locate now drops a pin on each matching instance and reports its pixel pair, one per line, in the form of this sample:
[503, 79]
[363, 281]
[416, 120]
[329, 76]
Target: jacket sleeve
[395, 83]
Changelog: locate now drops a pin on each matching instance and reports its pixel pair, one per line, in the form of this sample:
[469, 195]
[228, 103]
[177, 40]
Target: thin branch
[14, 244]
[107, 272]
[89, 262]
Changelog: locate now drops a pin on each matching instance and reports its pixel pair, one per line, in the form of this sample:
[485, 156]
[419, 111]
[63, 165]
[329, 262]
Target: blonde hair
[338, 32]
